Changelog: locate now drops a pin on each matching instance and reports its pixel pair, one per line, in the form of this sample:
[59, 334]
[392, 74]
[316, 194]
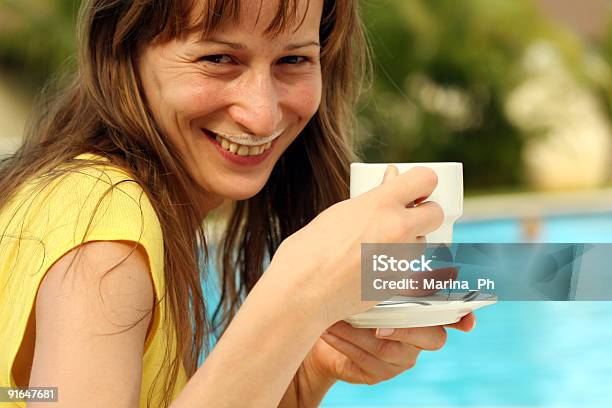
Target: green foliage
[37, 37]
[602, 74]
[444, 69]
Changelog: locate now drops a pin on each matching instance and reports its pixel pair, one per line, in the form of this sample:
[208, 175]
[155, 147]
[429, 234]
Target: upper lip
[248, 139]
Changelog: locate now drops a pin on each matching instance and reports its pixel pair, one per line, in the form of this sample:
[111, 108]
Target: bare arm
[255, 360]
[75, 308]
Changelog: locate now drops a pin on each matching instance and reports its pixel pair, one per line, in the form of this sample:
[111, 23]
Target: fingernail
[384, 332]
[390, 170]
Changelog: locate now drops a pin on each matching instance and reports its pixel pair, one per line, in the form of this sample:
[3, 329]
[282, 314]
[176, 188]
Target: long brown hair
[103, 110]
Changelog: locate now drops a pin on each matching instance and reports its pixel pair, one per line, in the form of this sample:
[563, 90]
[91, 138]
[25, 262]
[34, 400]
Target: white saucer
[397, 313]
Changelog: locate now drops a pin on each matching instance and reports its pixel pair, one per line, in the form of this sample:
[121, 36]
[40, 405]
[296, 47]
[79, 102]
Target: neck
[209, 203]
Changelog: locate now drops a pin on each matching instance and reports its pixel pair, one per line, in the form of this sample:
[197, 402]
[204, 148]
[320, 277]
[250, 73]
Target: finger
[390, 173]
[387, 350]
[414, 184]
[375, 370]
[426, 338]
[344, 368]
[424, 218]
[466, 324]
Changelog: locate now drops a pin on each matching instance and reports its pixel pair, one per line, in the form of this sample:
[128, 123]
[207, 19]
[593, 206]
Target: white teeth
[243, 151]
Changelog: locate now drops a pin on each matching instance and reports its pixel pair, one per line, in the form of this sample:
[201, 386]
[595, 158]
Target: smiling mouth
[236, 148]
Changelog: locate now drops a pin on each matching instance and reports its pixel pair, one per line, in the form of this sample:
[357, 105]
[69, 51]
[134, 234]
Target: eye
[217, 59]
[293, 60]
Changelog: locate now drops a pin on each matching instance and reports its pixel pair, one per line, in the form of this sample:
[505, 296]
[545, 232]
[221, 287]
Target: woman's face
[234, 102]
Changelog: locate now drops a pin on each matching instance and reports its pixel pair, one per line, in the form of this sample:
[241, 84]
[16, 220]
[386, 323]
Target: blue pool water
[563, 228]
[523, 354]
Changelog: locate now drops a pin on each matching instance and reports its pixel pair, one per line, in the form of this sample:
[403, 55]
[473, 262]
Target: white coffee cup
[448, 193]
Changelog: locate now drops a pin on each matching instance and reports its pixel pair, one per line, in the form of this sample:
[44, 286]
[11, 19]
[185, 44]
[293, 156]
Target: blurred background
[520, 92]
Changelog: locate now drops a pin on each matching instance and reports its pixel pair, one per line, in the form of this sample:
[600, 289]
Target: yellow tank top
[38, 226]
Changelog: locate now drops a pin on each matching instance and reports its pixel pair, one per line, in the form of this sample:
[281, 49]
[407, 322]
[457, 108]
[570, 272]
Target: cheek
[204, 95]
[305, 99]
[191, 98]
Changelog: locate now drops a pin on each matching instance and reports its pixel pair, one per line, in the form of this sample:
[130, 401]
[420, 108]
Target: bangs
[205, 17]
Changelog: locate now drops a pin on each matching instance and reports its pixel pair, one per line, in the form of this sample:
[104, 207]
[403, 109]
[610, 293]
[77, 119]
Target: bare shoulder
[93, 308]
[111, 275]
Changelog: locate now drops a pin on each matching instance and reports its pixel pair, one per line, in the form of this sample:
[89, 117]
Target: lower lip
[236, 158]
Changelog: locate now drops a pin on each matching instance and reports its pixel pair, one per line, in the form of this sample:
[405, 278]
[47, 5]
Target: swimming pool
[521, 353]
[596, 227]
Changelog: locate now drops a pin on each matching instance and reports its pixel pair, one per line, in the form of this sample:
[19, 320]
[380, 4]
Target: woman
[176, 107]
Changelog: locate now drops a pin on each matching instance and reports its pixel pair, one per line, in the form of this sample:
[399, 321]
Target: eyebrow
[240, 46]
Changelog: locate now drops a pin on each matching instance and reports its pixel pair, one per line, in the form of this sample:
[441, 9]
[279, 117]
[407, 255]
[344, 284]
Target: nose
[257, 107]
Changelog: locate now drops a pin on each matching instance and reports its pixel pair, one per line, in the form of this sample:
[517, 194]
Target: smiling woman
[266, 89]
[176, 107]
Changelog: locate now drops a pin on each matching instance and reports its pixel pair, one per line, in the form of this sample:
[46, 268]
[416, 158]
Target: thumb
[390, 173]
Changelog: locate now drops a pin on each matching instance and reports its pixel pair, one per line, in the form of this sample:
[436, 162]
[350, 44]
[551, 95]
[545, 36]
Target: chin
[241, 195]
[240, 191]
